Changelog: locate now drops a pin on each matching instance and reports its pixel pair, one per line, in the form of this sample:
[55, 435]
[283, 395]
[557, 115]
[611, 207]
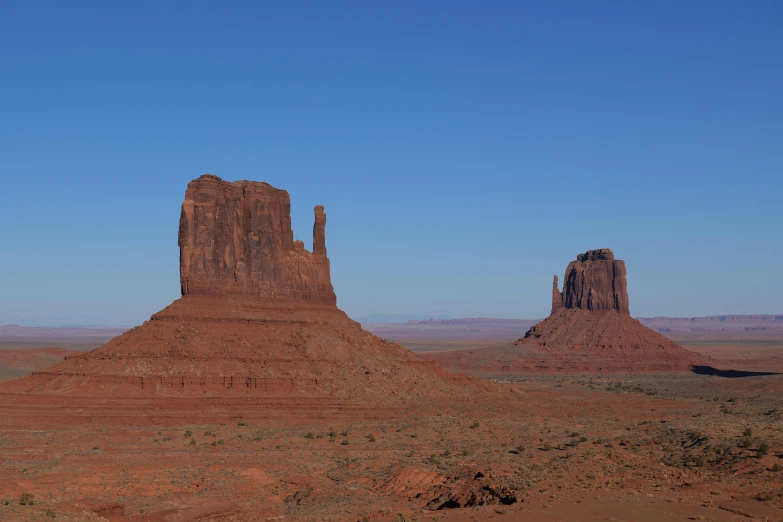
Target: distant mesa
[257, 329]
[590, 329]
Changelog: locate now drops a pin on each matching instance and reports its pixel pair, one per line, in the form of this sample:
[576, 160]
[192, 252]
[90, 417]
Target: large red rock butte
[590, 329]
[257, 330]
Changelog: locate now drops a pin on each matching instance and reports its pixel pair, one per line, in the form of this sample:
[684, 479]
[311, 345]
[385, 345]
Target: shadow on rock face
[731, 374]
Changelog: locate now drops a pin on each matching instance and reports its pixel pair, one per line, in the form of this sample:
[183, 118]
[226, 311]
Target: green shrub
[763, 449]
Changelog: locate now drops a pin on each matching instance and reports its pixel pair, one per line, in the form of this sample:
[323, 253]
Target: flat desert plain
[551, 447]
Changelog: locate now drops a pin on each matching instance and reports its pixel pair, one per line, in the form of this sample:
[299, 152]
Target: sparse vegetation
[763, 449]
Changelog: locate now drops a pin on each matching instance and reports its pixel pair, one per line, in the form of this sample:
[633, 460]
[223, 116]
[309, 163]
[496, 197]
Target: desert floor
[574, 447]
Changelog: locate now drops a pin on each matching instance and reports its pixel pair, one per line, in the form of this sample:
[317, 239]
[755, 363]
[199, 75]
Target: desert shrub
[371, 437]
[399, 517]
[167, 438]
[574, 434]
[746, 442]
[447, 453]
[5, 501]
[50, 513]
[414, 435]
[309, 435]
[546, 447]
[26, 499]
[609, 445]
[434, 459]
[732, 399]
[763, 449]
[192, 441]
[345, 442]
[583, 439]
[332, 434]
[344, 433]
[240, 424]
[520, 448]
[96, 448]
[748, 432]
[466, 453]
[474, 425]
[188, 434]
[699, 461]
[777, 467]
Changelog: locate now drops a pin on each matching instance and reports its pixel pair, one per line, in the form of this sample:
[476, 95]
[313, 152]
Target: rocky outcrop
[256, 329]
[236, 239]
[596, 281]
[557, 296]
[589, 330]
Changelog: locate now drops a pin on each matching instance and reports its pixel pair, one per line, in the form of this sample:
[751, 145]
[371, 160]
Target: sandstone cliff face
[236, 239]
[596, 281]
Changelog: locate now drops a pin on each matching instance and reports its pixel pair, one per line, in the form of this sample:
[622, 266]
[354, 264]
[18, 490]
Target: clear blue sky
[465, 151]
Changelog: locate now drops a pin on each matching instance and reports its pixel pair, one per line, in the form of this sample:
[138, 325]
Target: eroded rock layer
[257, 320]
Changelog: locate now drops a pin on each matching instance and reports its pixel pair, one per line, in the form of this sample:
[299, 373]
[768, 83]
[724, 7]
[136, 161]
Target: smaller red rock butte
[589, 330]
[595, 281]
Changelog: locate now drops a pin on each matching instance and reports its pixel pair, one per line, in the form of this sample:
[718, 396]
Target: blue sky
[465, 151]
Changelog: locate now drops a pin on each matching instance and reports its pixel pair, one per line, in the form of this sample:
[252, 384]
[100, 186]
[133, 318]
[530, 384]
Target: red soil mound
[257, 320]
[590, 330]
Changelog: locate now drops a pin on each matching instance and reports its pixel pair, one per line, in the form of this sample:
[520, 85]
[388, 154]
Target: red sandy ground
[656, 447]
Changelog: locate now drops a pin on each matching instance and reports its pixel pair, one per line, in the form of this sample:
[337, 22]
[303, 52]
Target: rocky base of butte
[256, 330]
[590, 329]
